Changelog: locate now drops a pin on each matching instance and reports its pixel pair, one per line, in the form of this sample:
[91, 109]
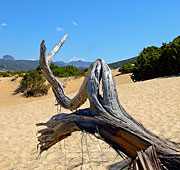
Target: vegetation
[127, 68]
[120, 63]
[147, 64]
[12, 73]
[67, 71]
[33, 84]
[155, 62]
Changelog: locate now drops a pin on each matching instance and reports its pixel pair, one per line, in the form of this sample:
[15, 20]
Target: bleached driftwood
[106, 119]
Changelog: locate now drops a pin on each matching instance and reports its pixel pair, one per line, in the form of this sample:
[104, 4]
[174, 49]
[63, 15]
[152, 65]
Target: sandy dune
[155, 103]
[7, 88]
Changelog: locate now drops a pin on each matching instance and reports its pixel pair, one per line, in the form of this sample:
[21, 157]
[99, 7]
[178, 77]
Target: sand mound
[7, 88]
[155, 103]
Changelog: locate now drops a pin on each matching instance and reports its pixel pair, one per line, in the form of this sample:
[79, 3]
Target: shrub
[33, 84]
[12, 73]
[170, 58]
[126, 68]
[4, 74]
[154, 62]
[147, 64]
[66, 71]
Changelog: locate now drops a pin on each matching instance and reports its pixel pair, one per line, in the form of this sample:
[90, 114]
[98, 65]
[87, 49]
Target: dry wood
[147, 160]
[106, 118]
[62, 99]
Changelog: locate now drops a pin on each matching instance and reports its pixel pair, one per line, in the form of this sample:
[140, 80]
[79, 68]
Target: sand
[155, 103]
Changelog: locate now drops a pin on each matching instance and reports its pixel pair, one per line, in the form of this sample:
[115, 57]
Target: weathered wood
[106, 118]
[62, 98]
[148, 159]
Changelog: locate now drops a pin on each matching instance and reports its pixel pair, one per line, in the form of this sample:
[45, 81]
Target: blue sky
[110, 29]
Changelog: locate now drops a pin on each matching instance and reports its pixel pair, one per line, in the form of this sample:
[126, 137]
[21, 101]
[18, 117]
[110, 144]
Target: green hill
[120, 63]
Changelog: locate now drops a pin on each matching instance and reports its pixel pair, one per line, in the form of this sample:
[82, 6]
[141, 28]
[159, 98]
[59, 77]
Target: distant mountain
[25, 65]
[8, 57]
[60, 63]
[80, 63]
[18, 65]
[120, 63]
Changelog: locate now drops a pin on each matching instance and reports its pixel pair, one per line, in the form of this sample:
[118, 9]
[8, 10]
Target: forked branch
[62, 98]
[106, 119]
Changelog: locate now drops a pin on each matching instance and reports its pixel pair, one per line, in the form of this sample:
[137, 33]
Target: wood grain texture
[106, 118]
[62, 98]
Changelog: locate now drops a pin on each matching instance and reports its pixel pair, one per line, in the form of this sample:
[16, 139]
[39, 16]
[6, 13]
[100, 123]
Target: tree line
[155, 62]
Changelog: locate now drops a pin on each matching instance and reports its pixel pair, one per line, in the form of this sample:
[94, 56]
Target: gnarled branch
[62, 98]
[106, 118]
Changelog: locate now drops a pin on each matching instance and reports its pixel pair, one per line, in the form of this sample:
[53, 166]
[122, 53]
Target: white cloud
[59, 29]
[76, 59]
[32, 59]
[3, 24]
[74, 23]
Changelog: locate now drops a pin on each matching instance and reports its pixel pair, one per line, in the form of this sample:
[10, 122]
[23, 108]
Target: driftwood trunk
[106, 119]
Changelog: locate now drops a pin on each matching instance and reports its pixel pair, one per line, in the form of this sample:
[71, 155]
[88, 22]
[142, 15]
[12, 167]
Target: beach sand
[155, 103]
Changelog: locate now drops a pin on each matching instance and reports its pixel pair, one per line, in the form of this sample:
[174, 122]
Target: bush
[12, 73]
[147, 64]
[170, 58]
[33, 84]
[155, 62]
[66, 71]
[126, 68]
[4, 74]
